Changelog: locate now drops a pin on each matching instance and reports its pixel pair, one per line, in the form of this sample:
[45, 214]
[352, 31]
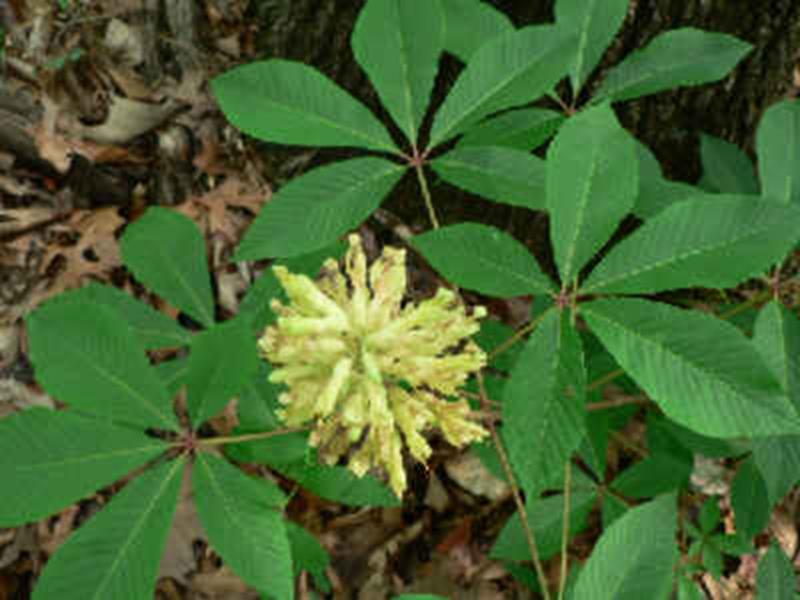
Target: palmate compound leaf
[714, 242]
[314, 209]
[543, 404]
[471, 23]
[504, 175]
[115, 556]
[482, 258]
[634, 557]
[509, 70]
[222, 361]
[291, 103]
[778, 148]
[243, 518]
[592, 183]
[166, 252]
[50, 459]
[398, 44]
[703, 372]
[85, 355]
[596, 23]
[674, 58]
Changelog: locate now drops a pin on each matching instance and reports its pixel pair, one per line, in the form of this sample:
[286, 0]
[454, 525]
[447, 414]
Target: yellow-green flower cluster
[368, 372]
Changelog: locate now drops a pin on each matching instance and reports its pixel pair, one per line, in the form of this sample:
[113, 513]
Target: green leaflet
[308, 555]
[483, 259]
[166, 252]
[701, 371]
[244, 523]
[674, 58]
[777, 459]
[546, 517]
[153, 328]
[776, 337]
[291, 103]
[749, 500]
[500, 174]
[778, 146]
[543, 404]
[726, 168]
[173, 374]
[511, 69]
[635, 556]
[222, 361]
[87, 356]
[523, 129]
[657, 474]
[398, 43]
[51, 459]
[595, 22]
[115, 556]
[313, 210]
[655, 192]
[255, 305]
[717, 242]
[592, 183]
[338, 484]
[775, 579]
[470, 24]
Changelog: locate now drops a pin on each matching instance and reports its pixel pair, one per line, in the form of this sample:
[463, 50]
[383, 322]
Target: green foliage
[714, 391]
[88, 350]
[681, 57]
[776, 579]
[166, 252]
[505, 175]
[592, 181]
[484, 259]
[244, 523]
[778, 144]
[542, 435]
[616, 572]
[726, 168]
[116, 554]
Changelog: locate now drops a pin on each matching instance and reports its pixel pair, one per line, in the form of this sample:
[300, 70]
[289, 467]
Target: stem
[562, 584]
[626, 401]
[248, 437]
[517, 335]
[523, 514]
[426, 194]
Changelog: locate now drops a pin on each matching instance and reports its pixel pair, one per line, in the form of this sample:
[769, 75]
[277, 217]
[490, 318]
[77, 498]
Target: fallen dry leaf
[95, 253]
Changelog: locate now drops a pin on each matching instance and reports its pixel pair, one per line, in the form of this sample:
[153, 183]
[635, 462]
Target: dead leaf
[94, 254]
[178, 559]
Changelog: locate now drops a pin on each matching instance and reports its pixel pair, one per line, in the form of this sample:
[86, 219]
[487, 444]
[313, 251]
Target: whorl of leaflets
[358, 364]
